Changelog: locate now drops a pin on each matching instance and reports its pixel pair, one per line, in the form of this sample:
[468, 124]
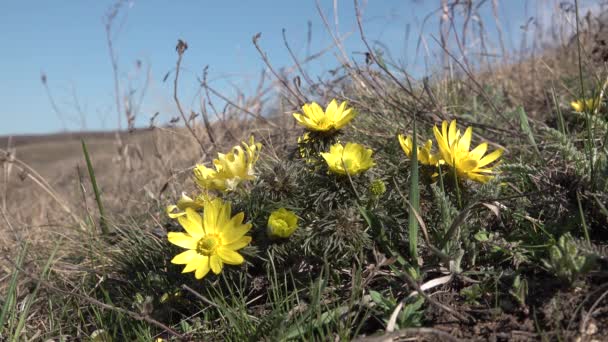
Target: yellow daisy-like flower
[230, 169]
[332, 119]
[586, 104]
[351, 159]
[282, 223]
[211, 240]
[454, 149]
[425, 156]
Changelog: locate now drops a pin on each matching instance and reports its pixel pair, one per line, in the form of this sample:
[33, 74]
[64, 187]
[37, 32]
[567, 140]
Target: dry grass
[47, 197]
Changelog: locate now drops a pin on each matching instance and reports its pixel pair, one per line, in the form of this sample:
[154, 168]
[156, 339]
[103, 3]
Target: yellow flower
[352, 158]
[586, 104]
[282, 223]
[230, 169]
[454, 149]
[212, 240]
[186, 202]
[424, 153]
[333, 118]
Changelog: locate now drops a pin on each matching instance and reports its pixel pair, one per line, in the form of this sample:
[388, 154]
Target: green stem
[582, 214]
[459, 198]
[102, 218]
[589, 143]
[414, 197]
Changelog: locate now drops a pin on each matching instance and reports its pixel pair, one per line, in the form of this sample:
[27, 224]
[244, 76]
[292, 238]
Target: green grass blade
[11, 295]
[102, 220]
[414, 198]
[582, 216]
[561, 125]
[32, 297]
[525, 127]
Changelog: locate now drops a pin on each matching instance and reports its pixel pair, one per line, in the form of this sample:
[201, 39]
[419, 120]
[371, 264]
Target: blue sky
[65, 39]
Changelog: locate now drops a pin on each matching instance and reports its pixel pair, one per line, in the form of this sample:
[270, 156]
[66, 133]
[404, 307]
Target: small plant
[566, 261]
[472, 294]
[410, 314]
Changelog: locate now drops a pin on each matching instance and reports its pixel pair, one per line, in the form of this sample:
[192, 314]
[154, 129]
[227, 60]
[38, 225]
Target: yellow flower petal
[192, 223]
[240, 243]
[210, 217]
[490, 158]
[190, 267]
[332, 110]
[182, 240]
[465, 142]
[202, 268]
[235, 230]
[479, 151]
[216, 263]
[184, 257]
[230, 257]
[452, 133]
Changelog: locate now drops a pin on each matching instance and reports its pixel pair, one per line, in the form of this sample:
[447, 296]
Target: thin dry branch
[301, 99]
[181, 48]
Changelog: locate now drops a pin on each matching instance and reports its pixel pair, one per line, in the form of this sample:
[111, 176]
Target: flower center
[207, 245]
[324, 122]
[280, 225]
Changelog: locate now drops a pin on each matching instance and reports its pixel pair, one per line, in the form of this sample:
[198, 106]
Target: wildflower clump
[335, 116]
[211, 240]
[282, 223]
[454, 149]
[231, 168]
[351, 159]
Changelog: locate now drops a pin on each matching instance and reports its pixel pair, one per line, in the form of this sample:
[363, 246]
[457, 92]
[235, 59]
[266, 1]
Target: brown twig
[304, 74]
[456, 314]
[59, 114]
[181, 48]
[230, 102]
[408, 90]
[199, 296]
[480, 88]
[299, 97]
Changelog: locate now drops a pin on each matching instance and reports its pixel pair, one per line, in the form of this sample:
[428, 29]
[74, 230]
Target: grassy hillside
[468, 205]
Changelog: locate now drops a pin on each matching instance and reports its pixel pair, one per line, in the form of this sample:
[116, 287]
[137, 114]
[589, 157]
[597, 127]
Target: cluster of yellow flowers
[214, 238]
[351, 158]
[230, 169]
[454, 151]
[354, 158]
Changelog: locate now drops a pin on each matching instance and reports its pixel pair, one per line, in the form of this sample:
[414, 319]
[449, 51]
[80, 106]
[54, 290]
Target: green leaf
[414, 198]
